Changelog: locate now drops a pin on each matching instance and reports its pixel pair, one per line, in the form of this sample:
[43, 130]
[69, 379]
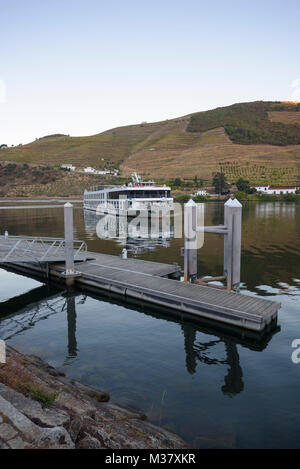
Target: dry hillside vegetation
[210, 151]
[285, 116]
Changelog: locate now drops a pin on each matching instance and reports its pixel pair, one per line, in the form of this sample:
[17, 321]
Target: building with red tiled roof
[282, 189]
[277, 190]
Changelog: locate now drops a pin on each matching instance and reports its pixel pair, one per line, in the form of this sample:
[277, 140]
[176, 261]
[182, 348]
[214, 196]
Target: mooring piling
[190, 241]
[232, 231]
[69, 244]
[232, 243]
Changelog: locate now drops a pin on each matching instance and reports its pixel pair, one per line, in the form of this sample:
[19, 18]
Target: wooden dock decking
[130, 265]
[233, 308]
[144, 280]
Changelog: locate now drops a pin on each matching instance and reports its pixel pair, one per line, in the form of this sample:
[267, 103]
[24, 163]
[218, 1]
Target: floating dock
[153, 282]
[67, 260]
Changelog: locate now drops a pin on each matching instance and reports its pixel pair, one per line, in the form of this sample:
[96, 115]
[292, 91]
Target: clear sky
[83, 66]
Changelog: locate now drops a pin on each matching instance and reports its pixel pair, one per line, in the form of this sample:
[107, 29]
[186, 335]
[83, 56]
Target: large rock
[89, 427]
[7, 432]
[41, 416]
[3, 445]
[94, 393]
[19, 420]
[75, 405]
[17, 443]
[75, 427]
[54, 438]
[89, 443]
[121, 428]
[80, 416]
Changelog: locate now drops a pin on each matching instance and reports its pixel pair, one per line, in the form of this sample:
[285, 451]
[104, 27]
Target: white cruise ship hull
[130, 200]
[132, 212]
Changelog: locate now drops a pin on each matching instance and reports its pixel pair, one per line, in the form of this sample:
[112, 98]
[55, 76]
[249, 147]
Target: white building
[69, 167]
[262, 188]
[276, 190]
[90, 170]
[201, 192]
[102, 172]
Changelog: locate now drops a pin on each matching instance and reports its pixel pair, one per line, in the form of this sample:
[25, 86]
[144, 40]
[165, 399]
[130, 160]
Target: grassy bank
[267, 197]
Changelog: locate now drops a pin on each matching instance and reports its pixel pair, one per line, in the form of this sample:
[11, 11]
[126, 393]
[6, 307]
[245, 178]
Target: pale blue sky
[83, 66]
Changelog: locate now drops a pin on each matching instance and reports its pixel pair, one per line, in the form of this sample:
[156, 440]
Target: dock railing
[37, 249]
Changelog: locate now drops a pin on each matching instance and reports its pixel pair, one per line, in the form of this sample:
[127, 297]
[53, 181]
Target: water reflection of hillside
[136, 237]
[271, 246]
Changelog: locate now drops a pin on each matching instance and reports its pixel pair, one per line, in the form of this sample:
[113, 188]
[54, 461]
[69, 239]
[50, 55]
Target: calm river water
[213, 387]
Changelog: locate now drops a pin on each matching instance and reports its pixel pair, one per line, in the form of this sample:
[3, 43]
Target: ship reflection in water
[136, 235]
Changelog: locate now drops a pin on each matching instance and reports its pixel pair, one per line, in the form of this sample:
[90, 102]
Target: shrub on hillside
[289, 197]
[184, 198]
[201, 198]
[267, 197]
[240, 195]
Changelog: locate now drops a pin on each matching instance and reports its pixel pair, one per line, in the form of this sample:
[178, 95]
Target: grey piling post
[190, 241]
[237, 245]
[69, 243]
[232, 243]
[228, 222]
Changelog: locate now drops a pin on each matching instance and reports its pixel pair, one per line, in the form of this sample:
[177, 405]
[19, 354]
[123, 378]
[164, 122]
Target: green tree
[220, 183]
[243, 185]
[241, 195]
[198, 182]
[177, 182]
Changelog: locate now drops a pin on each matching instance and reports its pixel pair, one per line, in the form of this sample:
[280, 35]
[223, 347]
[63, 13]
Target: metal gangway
[15, 249]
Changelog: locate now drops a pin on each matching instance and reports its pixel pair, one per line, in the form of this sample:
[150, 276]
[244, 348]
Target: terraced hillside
[260, 141]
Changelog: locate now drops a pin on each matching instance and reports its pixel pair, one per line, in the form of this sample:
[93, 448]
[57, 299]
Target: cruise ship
[134, 198]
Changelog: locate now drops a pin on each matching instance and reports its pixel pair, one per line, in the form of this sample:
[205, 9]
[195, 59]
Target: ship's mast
[136, 178]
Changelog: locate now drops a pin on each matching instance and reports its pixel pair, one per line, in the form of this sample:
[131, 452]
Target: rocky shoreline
[40, 408]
